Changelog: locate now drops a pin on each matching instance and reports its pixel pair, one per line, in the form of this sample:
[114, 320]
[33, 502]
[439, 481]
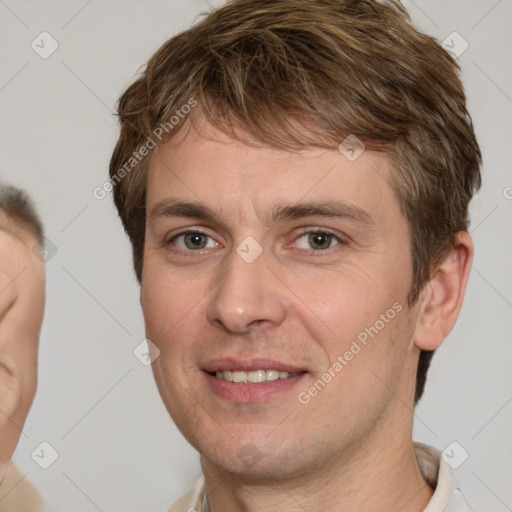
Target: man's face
[262, 259]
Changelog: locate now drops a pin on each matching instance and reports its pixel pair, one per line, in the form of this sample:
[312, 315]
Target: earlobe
[441, 299]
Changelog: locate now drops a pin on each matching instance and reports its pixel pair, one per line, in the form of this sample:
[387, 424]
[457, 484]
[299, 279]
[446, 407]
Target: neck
[382, 474]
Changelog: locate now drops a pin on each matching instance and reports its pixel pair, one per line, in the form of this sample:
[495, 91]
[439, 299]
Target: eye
[193, 241]
[317, 240]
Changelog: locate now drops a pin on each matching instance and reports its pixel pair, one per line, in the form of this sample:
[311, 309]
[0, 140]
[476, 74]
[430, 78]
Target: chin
[247, 460]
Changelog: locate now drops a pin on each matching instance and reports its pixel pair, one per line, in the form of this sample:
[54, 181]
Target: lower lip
[246, 393]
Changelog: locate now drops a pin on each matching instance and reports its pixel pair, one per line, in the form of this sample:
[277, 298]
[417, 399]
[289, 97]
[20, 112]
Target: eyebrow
[331, 209]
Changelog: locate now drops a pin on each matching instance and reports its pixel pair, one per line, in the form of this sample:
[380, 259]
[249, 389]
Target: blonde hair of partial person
[18, 214]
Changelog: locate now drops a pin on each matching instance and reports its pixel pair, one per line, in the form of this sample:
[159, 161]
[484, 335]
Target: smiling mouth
[254, 376]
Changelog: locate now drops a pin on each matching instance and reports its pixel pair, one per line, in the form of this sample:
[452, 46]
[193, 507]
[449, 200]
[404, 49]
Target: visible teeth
[257, 376]
[227, 375]
[240, 377]
[272, 374]
[254, 376]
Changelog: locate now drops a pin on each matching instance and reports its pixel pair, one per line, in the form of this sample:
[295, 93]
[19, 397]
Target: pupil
[320, 240]
[195, 241]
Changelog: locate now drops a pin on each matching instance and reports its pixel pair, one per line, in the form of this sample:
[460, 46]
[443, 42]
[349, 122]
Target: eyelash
[322, 231]
[187, 231]
[305, 231]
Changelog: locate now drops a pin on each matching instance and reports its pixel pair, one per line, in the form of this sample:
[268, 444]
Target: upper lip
[249, 364]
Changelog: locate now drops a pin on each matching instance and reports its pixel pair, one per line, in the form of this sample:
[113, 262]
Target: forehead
[207, 167]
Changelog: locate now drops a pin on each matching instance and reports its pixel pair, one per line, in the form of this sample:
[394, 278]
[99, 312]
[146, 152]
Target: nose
[248, 295]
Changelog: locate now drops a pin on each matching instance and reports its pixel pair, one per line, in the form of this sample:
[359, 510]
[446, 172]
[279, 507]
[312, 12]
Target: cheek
[338, 306]
[365, 366]
[171, 307]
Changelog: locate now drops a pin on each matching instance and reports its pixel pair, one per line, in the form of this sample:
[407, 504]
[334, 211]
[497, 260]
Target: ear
[442, 297]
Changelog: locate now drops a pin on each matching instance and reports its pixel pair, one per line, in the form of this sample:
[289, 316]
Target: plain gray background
[97, 405]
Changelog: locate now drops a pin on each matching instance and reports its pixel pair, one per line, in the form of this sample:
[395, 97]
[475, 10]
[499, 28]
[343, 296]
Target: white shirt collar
[435, 470]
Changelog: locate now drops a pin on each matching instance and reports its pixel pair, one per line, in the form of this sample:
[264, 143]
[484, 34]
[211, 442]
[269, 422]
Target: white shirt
[446, 498]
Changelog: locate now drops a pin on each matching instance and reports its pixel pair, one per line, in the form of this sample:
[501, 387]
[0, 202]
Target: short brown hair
[296, 73]
[19, 208]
